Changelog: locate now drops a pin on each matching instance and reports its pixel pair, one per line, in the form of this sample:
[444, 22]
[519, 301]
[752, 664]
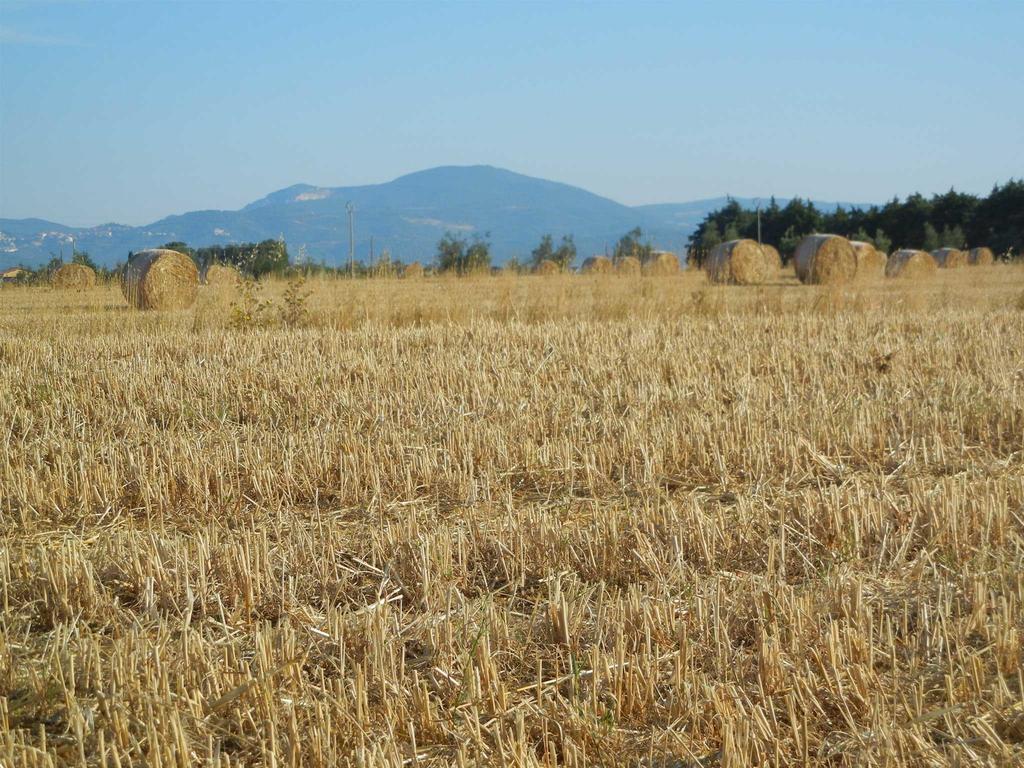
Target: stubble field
[516, 521]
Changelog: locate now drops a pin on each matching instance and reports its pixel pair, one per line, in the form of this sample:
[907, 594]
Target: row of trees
[954, 219]
[256, 259]
[456, 254]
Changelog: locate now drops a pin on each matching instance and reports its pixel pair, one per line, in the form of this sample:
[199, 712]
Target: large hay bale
[597, 265]
[221, 275]
[661, 263]
[412, 270]
[547, 267]
[160, 279]
[628, 265]
[76, 277]
[980, 257]
[825, 259]
[911, 264]
[773, 256]
[738, 262]
[950, 258]
[870, 261]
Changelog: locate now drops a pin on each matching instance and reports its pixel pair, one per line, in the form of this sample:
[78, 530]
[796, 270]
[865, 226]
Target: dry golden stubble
[516, 522]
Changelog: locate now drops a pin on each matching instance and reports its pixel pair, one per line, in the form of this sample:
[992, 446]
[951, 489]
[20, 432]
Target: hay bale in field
[773, 256]
[597, 265]
[221, 275]
[870, 261]
[412, 270]
[12, 274]
[661, 263]
[160, 279]
[980, 257]
[76, 277]
[628, 265]
[950, 258]
[738, 262]
[547, 267]
[911, 264]
[825, 259]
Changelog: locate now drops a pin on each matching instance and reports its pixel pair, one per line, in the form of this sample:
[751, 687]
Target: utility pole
[757, 202]
[351, 239]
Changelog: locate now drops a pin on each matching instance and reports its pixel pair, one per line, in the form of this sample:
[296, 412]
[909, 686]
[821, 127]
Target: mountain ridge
[406, 216]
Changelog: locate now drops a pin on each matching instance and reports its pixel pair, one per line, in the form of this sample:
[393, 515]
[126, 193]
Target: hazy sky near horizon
[130, 111]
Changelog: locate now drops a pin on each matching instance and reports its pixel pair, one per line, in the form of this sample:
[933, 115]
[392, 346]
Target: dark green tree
[788, 242]
[180, 247]
[882, 241]
[544, 251]
[565, 254]
[454, 254]
[630, 244]
[83, 258]
[952, 237]
[478, 255]
[953, 218]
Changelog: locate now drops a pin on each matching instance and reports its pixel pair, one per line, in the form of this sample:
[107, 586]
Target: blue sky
[130, 111]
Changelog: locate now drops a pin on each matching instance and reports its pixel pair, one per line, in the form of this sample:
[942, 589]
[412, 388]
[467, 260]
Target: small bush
[250, 310]
[294, 312]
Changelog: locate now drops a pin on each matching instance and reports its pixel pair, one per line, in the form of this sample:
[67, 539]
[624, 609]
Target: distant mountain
[406, 216]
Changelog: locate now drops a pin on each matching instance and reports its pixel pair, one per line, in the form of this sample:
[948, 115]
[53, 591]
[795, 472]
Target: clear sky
[129, 111]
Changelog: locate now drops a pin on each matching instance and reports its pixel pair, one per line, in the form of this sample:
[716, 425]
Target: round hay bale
[160, 279]
[738, 262]
[661, 263]
[911, 264]
[980, 257]
[597, 265]
[412, 270]
[547, 267]
[774, 258]
[870, 260]
[221, 275]
[76, 277]
[950, 258]
[628, 265]
[825, 259]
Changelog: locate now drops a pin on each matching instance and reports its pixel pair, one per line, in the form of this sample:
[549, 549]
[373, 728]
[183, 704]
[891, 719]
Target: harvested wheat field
[516, 522]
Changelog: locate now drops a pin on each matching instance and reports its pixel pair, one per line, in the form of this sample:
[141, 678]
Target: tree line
[461, 256]
[954, 219]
